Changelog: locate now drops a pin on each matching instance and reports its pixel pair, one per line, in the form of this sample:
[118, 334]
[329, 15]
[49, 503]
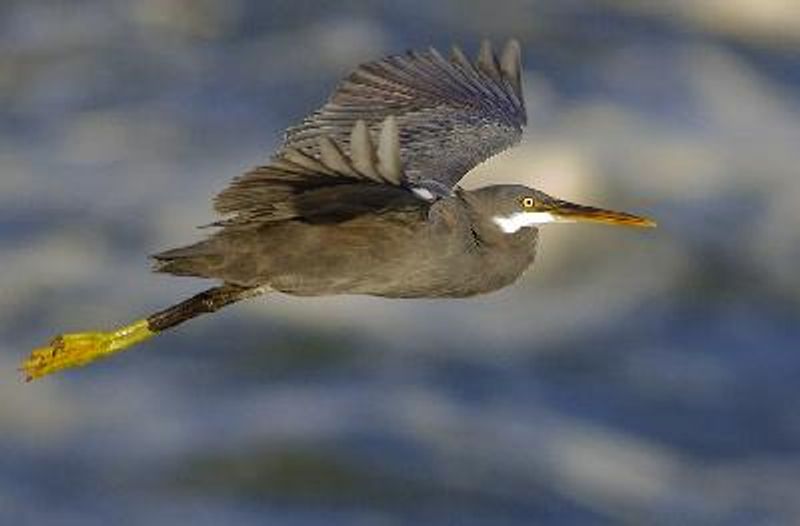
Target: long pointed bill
[565, 211]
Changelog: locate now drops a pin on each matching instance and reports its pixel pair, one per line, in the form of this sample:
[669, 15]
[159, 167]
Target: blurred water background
[631, 378]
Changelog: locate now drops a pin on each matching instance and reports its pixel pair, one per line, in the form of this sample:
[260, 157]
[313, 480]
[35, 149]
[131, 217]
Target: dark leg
[208, 301]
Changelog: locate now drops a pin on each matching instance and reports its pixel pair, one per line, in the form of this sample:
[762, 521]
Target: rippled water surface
[631, 377]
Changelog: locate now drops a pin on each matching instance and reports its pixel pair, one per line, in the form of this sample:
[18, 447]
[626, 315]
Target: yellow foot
[73, 350]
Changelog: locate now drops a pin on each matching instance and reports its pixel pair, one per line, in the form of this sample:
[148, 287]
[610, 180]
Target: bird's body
[408, 249]
[362, 198]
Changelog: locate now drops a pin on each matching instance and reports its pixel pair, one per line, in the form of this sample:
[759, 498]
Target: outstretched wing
[332, 185]
[453, 114]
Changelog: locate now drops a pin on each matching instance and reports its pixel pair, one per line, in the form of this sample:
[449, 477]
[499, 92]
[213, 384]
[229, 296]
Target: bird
[362, 197]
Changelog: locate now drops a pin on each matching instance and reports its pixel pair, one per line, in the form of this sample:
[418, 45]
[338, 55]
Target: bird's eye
[527, 202]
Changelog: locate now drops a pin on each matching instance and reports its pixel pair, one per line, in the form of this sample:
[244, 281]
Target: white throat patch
[517, 220]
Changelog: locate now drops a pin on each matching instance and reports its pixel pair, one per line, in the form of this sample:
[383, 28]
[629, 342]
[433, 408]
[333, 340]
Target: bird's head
[513, 207]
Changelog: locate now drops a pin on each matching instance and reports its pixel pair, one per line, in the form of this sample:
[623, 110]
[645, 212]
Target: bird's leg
[81, 348]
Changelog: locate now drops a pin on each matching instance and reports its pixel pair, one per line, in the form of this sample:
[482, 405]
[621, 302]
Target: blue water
[629, 378]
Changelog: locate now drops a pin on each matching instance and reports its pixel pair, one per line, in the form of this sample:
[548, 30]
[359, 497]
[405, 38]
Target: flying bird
[363, 198]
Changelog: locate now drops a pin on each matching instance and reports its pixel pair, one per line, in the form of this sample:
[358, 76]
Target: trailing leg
[76, 349]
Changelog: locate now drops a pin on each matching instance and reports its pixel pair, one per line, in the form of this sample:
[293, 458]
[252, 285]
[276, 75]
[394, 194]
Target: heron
[362, 197]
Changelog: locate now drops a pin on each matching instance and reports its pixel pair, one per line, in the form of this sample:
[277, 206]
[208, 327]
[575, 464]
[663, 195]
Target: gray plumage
[452, 114]
[335, 225]
[401, 248]
[335, 212]
[362, 196]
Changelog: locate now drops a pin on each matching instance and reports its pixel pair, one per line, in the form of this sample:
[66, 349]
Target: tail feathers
[193, 260]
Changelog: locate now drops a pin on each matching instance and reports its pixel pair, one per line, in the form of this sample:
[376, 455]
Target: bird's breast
[454, 260]
[397, 256]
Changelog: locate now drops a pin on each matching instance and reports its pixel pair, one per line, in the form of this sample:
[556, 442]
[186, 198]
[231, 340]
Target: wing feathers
[272, 192]
[511, 65]
[458, 57]
[487, 61]
[413, 121]
[305, 162]
[389, 152]
[362, 153]
[452, 112]
[333, 157]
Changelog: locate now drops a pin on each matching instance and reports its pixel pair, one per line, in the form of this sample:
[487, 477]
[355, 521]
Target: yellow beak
[569, 212]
